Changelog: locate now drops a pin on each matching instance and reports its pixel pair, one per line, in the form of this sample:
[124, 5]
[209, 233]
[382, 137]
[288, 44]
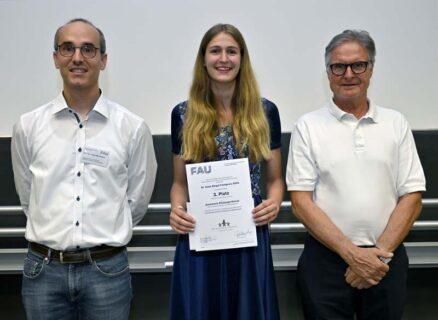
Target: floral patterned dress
[225, 284]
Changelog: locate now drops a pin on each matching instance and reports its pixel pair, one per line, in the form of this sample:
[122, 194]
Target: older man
[84, 170]
[355, 182]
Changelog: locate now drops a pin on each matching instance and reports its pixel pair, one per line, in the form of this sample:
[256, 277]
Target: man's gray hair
[360, 36]
[102, 42]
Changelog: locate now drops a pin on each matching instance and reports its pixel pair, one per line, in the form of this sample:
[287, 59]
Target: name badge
[95, 156]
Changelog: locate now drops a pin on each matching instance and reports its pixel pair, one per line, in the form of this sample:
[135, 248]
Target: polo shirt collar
[371, 114]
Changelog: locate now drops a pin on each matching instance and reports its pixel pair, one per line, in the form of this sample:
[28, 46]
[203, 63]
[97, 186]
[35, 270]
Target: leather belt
[78, 256]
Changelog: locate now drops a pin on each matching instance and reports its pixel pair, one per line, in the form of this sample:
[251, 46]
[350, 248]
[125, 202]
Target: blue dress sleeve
[274, 123]
[177, 121]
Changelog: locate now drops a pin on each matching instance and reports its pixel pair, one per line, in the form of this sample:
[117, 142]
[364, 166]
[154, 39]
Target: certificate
[221, 202]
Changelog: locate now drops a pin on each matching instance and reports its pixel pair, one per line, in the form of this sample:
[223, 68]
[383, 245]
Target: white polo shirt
[357, 169]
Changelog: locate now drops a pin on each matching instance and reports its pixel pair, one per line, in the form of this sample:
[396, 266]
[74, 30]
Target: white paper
[221, 202]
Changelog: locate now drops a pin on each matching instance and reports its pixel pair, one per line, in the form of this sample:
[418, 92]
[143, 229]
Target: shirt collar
[59, 104]
[371, 114]
[101, 106]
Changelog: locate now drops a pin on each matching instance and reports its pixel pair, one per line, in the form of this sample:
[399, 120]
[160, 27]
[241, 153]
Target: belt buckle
[61, 257]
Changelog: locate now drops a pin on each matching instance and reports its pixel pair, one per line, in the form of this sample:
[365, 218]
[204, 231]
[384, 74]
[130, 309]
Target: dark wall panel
[427, 145]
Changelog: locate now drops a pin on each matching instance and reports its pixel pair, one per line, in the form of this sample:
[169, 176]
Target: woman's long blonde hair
[250, 126]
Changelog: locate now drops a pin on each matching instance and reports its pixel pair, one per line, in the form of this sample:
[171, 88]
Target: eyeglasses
[68, 50]
[358, 67]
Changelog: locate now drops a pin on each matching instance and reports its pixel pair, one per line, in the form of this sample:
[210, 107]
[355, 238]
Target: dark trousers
[326, 295]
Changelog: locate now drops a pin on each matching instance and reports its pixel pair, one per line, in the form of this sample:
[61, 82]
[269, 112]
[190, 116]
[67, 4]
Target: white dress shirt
[357, 169]
[82, 183]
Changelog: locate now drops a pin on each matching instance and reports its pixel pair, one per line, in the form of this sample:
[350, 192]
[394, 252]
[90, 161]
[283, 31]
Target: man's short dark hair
[102, 42]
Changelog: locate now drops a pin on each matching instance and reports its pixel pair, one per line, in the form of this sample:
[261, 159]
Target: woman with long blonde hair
[225, 118]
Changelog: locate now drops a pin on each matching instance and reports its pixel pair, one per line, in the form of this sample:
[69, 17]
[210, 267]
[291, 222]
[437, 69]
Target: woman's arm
[180, 220]
[268, 210]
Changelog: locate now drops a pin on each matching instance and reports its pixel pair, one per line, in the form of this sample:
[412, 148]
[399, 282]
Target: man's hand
[365, 265]
[355, 281]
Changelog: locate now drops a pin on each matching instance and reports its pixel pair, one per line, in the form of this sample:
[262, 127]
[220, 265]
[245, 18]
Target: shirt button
[77, 223]
[78, 174]
[79, 149]
[70, 111]
[80, 126]
[78, 198]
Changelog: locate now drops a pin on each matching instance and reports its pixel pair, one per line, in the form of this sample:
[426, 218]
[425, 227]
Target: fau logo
[200, 170]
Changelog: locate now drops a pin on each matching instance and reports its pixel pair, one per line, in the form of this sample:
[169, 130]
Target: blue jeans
[97, 290]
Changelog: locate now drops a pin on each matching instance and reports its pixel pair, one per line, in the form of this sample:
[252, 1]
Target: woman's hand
[181, 221]
[265, 212]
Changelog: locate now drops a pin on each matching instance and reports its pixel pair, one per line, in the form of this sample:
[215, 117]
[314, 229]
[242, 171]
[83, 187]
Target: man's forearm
[404, 215]
[319, 224]
[364, 262]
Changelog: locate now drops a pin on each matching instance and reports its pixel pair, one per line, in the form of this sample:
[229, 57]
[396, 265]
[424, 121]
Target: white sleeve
[142, 169]
[301, 171]
[410, 176]
[21, 157]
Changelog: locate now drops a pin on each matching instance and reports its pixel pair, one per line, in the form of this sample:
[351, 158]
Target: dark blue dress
[225, 284]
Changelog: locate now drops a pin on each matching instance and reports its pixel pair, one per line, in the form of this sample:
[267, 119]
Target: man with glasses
[355, 181]
[84, 170]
